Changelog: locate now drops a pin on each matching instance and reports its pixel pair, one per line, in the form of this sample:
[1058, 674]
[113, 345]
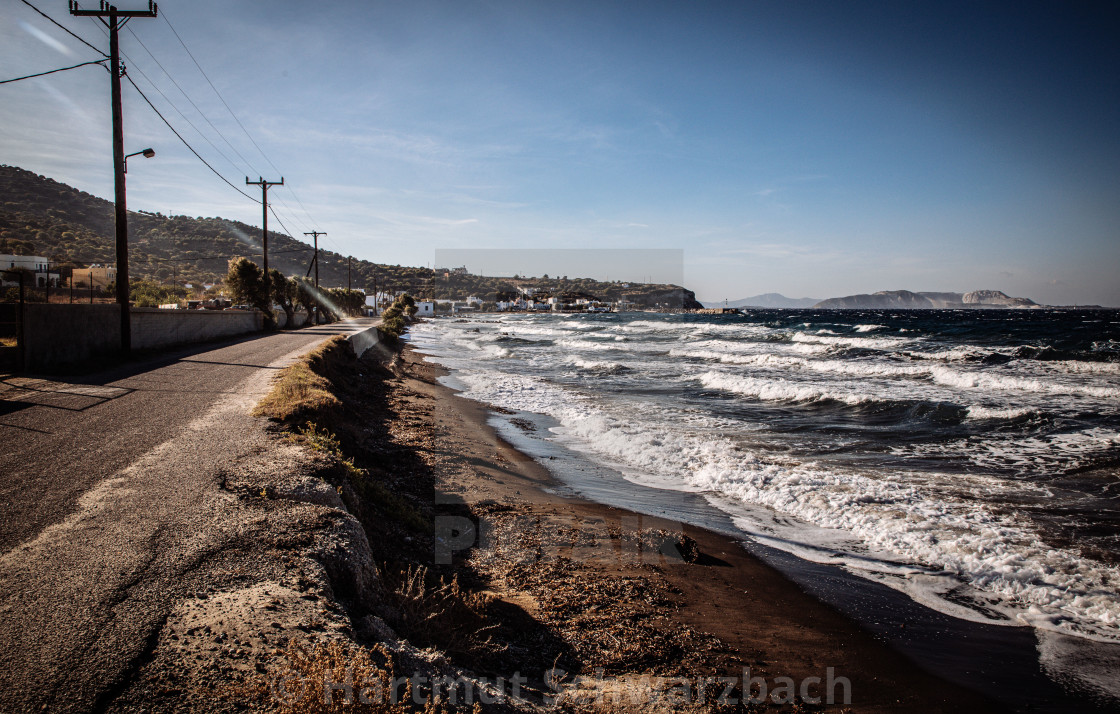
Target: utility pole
[264, 231]
[315, 235]
[116, 20]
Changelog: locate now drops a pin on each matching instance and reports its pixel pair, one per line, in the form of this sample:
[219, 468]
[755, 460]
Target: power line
[64, 29]
[176, 133]
[42, 74]
[173, 105]
[273, 212]
[220, 97]
[184, 116]
[199, 132]
[292, 213]
[196, 108]
[218, 257]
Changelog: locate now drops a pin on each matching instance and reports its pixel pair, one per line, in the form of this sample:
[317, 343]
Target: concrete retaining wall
[57, 335]
[70, 335]
[299, 319]
[362, 341]
[153, 328]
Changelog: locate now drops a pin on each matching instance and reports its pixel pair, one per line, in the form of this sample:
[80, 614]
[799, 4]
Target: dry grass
[365, 680]
[437, 612]
[301, 389]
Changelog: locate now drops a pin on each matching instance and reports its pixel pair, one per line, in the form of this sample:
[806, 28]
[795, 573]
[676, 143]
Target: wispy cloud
[46, 39]
[446, 221]
[783, 251]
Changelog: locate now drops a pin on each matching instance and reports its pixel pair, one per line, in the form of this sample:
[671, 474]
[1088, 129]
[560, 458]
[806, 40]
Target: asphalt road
[110, 497]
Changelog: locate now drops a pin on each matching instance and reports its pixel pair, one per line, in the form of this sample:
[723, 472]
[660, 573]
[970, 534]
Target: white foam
[988, 381]
[1049, 453]
[777, 389]
[869, 343]
[979, 411]
[994, 552]
[1077, 367]
[595, 365]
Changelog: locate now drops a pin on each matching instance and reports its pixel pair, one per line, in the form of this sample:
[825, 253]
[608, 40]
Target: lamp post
[147, 153]
[122, 253]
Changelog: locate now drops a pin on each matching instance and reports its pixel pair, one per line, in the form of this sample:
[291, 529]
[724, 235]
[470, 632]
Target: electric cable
[62, 69]
[185, 143]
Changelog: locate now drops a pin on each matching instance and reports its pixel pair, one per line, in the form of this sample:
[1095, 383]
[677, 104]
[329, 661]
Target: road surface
[112, 500]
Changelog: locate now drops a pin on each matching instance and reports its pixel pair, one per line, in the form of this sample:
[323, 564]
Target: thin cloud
[46, 39]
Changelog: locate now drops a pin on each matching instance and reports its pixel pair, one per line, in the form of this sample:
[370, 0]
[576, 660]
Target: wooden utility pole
[315, 235]
[264, 231]
[116, 20]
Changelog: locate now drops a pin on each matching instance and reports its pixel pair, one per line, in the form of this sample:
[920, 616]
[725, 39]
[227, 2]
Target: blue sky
[808, 148]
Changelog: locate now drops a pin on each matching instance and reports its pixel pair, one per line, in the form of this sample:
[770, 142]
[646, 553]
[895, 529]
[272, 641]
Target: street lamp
[121, 166]
[148, 153]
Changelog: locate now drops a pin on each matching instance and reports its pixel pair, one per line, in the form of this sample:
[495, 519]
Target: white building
[425, 308]
[36, 264]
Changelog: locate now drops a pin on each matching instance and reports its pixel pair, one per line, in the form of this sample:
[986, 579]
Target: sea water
[969, 458]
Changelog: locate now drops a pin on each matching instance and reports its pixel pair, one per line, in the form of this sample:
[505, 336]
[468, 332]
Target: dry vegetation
[300, 391]
[377, 684]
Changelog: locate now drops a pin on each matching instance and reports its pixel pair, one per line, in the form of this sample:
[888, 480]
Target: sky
[814, 149]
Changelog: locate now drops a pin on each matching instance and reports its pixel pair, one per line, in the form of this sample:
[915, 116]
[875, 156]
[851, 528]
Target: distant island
[765, 300]
[906, 300]
[891, 300]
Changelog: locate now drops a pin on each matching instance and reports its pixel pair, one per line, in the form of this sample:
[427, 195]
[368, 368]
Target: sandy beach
[621, 595]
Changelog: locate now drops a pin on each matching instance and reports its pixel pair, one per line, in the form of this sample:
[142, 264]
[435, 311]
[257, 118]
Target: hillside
[40, 216]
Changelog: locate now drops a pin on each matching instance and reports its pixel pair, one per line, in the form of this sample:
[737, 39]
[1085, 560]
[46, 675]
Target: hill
[41, 216]
[904, 299]
[767, 300]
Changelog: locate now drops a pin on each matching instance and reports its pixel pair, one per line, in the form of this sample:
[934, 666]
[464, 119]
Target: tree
[145, 293]
[284, 294]
[305, 296]
[246, 284]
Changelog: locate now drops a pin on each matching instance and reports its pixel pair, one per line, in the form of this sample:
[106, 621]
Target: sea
[967, 461]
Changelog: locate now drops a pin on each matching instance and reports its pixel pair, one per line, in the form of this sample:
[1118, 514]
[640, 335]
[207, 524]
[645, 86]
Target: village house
[36, 265]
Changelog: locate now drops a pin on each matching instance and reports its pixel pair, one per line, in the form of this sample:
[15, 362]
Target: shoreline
[727, 593]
